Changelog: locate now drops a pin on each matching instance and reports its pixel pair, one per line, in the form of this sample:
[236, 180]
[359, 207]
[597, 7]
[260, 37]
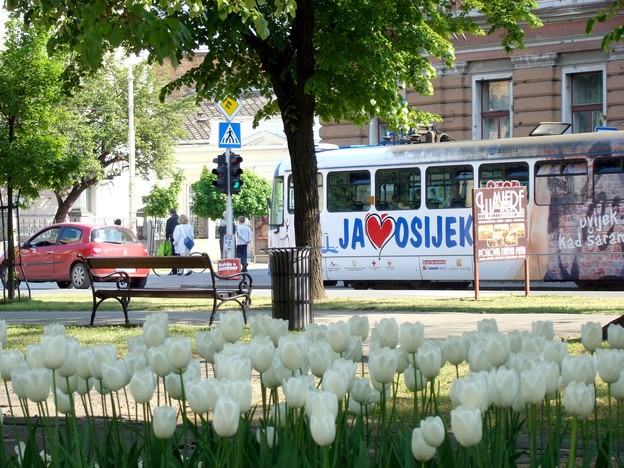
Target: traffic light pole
[229, 217]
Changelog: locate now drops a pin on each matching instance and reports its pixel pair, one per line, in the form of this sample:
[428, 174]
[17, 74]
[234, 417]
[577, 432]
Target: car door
[70, 243]
[36, 256]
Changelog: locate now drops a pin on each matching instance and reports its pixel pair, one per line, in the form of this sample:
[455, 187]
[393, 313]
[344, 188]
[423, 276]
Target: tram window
[397, 189]
[291, 192]
[608, 179]
[276, 209]
[560, 182]
[513, 173]
[348, 191]
[449, 187]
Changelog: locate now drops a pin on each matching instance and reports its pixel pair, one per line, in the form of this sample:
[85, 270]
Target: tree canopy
[96, 128]
[339, 60]
[251, 201]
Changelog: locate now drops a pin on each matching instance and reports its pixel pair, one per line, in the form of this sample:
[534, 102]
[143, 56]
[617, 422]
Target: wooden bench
[239, 292]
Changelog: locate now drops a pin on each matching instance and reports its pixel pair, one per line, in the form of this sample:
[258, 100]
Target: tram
[401, 215]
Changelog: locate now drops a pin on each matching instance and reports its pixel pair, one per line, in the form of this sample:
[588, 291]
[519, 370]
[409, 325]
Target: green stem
[573, 441]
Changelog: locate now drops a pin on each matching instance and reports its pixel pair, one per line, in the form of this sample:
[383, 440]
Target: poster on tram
[500, 223]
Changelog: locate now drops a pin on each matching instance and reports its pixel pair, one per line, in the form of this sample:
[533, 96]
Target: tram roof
[555, 146]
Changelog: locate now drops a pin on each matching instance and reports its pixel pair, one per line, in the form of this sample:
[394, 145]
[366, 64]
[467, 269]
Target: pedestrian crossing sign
[229, 135]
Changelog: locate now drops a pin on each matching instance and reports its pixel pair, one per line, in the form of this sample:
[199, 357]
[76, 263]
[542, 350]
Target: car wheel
[138, 283]
[79, 276]
[64, 284]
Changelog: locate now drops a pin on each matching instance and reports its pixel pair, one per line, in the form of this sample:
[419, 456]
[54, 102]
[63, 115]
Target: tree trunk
[64, 205]
[10, 249]
[298, 109]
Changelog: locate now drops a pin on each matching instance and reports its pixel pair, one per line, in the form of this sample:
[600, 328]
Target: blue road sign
[605, 129]
[229, 135]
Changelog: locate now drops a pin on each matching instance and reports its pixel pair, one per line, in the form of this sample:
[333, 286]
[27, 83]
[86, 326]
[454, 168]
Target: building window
[587, 101]
[495, 109]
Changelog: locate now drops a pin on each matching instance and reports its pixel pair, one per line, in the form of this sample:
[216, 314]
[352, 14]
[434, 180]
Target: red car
[53, 253]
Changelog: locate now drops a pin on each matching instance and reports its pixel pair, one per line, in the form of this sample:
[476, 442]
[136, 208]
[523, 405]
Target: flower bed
[315, 398]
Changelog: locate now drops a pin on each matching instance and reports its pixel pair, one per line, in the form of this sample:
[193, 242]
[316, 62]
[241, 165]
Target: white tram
[401, 215]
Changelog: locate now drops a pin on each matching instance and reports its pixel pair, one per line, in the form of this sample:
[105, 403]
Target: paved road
[437, 325]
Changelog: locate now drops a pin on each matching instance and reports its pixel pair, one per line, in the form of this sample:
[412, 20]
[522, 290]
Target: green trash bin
[291, 285]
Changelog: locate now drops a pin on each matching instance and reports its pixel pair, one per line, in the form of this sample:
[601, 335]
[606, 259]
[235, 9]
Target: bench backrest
[191, 261]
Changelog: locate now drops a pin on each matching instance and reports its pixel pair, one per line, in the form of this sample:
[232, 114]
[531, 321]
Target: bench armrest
[245, 284]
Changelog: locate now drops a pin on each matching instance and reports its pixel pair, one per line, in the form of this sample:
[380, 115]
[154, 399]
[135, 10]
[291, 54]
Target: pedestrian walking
[243, 233]
[170, 225]
[183, 240]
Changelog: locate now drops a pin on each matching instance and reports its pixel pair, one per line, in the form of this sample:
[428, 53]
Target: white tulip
[358, 326]
[411, 336]
[579, 399]
[323, 429]
[226, 417]
[422, 451]
[262, 351]
[467, 425]
[532, 386]
[338, 336]
[543, 328]
[429, 360]
[142, 386]
[277, 329]
[382, 365]
[178, 350]
[609, 363]
[487, 326]
[232, 324]
[386, 333]
[615, 336]
[591, 336]
[433, 430]
[260, 325]
[295, 391]
[506, 384]
[156, 329]
[164, 421]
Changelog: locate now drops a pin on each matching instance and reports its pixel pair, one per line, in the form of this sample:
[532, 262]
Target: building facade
[563, 75]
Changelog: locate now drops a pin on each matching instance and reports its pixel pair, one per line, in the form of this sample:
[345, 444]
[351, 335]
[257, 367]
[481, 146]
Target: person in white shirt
[243, 234]
[182, 231]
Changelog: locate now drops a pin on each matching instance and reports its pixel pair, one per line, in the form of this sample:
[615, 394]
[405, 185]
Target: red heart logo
[379, 229]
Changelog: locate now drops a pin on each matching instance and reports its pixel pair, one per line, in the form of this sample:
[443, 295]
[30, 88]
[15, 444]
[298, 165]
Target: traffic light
[235, 173]
[221, 182]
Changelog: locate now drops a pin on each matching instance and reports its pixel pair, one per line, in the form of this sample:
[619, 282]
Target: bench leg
[124, 301]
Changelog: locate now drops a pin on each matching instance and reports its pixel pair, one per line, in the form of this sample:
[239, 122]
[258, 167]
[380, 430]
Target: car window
[45, 238]
[70, 235]
[113, 235]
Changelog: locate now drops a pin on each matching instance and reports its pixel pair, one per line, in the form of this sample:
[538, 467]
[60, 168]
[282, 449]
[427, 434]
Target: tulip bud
[467, 425]
[411, 336]
[358, 326]
[143, 385]
[591, 336]
[164, 421]
[156, 329]
[226, 417]
[262, 352]
[579, 399]
[382, 365]
[386, 333]
[615, 336]
[323, 429]
[429, 360]
[422, 451]
[433, 430]
[338, 336]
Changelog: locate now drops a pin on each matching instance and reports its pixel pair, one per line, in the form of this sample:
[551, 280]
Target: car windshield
[113, 235]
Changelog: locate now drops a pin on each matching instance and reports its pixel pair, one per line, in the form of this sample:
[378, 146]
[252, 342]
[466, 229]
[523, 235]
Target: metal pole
[229, 216]
[131, 150]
